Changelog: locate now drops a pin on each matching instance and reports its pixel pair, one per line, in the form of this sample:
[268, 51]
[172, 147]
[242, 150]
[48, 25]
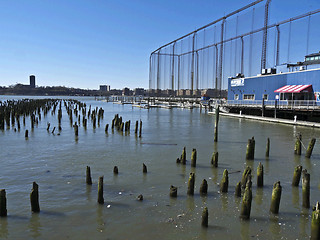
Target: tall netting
[240, 44]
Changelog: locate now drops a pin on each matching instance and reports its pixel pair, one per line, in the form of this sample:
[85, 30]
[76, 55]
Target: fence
[242, 42]
[281, 104]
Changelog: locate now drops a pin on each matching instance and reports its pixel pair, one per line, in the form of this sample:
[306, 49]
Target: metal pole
[216, 67]
[278, 45]
[178, 73]
[242, 53]
[158, 71]
[221, 55]
[192, 62]
[150, 70]
[265, 36]
[197, 69]
[172, 76]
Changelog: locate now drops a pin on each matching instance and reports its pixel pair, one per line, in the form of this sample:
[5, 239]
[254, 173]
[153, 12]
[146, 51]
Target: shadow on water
[3, 228]
[52, 213]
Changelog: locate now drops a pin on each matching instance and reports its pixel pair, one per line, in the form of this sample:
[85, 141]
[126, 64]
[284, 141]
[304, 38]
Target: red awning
[294, 89]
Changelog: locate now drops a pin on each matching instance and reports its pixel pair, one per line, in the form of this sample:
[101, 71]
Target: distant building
[105, 88]
[126, 92]
[138, 92]
[32, 81]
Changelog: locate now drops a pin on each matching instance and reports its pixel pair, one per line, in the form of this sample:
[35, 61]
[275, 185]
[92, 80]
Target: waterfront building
[32, 81]
[105, 88]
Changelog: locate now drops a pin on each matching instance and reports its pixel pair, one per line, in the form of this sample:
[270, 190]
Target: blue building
[299, 84]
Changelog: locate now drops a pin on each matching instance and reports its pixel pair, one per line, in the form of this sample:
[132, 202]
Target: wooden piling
[216, 124]
[136, 128]
[106, 128]
[246, 201]
[3, 203]
[214, 159]
[245, 176]
[140, 130]
[237, 192]
[315, 223]
[184, 156]
[26, 135]
[260, 175]
[144, 168]
[194, 158]
[88, 176]
[100, 191]
[268, 148]
[297, 145]
[204, 219]
[296, 176]
[224, 182]
[191, 184]
[115, 170]
[250, 149]
[204, 187]
[173, 191]
[48, 127]
[275, 198]
[34, 198]
[76, 130]
[305, 189]
[310, 147]
[140, 197]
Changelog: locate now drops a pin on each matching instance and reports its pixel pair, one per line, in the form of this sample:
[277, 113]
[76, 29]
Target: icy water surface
[69, 208]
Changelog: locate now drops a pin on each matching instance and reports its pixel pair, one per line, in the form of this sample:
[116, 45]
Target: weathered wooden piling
[54, 128]
[100, 191]
[34, 198]
[297, 145]
[121, 126]
[246, 201]
[88, 176]
[296, 176]
[26, 135]
[310, 147]
[115, 170]
[191, 184]
[3, 203]
[76, 130]
[245, 176]
[305, 189]
[178, 160]
[205, 216]
[204, 187]
[216, 124]
[237, 192]
[112, 125]
[250, 149]
[136, 128]
[173, 191]
[268, 148]
[315, 223]
[140, 197]
[194, 158]
[140, 130]
[184, 156]
[260, 175]
[275, 198]
[144, 168]
[106, 128]
[214, 159]
[224, 182]
[48, 127]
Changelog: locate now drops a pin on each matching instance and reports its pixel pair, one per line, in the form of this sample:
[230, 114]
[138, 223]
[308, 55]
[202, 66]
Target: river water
[69, 208]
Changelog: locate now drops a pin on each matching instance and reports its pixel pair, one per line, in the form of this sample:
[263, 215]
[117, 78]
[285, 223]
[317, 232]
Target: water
[69, 208]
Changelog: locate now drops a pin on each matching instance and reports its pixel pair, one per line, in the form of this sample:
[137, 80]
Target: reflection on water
[4, 228]
[35, 226]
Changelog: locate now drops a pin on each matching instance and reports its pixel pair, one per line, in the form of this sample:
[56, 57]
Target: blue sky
[85, 43]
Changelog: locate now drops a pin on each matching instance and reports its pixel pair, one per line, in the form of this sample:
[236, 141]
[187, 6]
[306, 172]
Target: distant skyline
[84, 44]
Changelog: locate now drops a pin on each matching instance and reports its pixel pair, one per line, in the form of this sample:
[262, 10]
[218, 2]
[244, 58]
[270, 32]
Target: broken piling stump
[250, 149]
[260, 175]
[26, 135]
[194, 158]
[214, 159]
[296, 176]
[224, 182]
[297, 145]
[34, 198]
[115, 170]
[100, 191]
[216, 124]
[88, 176]
[3, 203]
[237, 192]
[315, 223]
[184, 156]
[305, 189]
[245, 176]
[268, 148]
[246, 201]
[191, 184]
[144, 168]
[310, 147]
[173, 191]
[204, 219]
[275, 198]
[140, 130]
[204, 187]
[136, 128]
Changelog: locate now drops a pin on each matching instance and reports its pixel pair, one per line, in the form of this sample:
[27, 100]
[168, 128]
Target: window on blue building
[248, 96]
[265, 97]
[236, 97]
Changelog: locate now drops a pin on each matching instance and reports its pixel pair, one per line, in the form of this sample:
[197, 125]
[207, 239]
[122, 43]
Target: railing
[281, 104]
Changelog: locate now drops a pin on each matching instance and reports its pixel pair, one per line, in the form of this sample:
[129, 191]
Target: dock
[270, 120]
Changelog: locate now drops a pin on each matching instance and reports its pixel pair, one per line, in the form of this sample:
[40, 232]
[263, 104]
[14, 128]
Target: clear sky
[85, 43]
